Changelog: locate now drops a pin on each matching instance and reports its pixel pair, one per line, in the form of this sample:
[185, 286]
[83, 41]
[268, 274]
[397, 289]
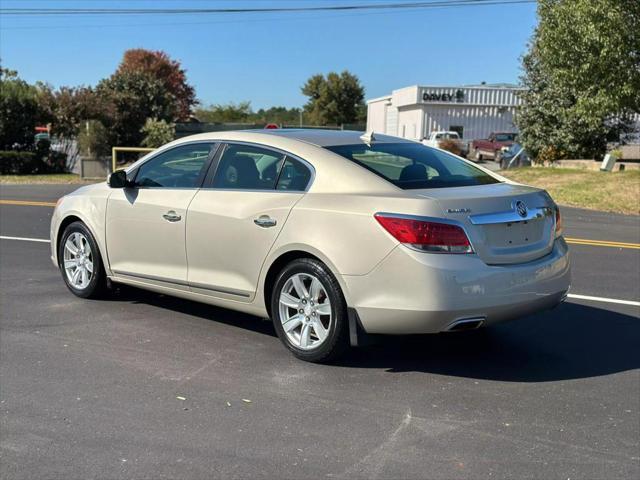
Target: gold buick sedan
[332, 234]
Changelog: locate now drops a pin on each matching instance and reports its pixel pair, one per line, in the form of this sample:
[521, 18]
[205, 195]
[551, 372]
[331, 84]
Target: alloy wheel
[78, 261]
[305, 311]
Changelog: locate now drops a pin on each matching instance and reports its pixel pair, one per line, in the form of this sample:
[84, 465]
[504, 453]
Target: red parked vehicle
[492, 147]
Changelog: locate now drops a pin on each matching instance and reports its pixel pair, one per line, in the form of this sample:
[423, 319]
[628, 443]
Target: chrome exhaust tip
[465, 324]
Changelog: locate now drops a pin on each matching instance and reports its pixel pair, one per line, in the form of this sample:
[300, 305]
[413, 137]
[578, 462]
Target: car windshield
[413, 165]
[505, 137]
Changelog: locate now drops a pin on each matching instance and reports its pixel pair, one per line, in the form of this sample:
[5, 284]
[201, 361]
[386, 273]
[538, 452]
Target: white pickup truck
[434, 139]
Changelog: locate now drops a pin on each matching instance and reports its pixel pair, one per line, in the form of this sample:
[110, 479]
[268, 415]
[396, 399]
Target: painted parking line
[25, 239]
[571, 295]
[27, 203]
[602, 243]
[604, 299]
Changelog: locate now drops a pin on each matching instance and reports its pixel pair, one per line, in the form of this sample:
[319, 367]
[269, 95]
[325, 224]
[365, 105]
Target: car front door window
[180, 167]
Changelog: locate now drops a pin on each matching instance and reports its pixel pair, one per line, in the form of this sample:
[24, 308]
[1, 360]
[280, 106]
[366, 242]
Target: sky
[266, 57]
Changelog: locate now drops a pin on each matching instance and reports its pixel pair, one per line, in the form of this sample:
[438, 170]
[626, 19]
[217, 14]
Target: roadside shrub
[14, 162]
[550, 154]
[617, 153]
[450, 145]
[20, 163]
[56, 162]
[43, 146]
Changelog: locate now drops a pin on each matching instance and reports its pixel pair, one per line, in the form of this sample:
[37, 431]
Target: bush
[550, 154]
[13, 162]
[20, 163]
[56, 162]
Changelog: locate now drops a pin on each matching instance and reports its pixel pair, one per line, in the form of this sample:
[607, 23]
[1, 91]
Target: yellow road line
[602, 243]
[27, 203]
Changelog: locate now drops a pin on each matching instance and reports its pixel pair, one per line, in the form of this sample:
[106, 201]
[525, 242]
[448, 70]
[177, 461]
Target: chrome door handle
[265, 221]
[172, 216]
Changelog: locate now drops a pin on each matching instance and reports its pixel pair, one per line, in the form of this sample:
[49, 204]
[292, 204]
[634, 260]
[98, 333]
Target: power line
[226, 21]
[253, 10]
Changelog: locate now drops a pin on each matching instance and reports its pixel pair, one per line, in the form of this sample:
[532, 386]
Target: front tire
[309, 311]
[80, 262]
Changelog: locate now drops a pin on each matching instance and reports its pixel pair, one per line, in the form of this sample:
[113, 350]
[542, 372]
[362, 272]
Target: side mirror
[118, 179]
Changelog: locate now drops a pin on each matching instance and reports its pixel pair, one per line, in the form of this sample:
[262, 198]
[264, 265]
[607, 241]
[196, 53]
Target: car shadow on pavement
[570, 342]
[126, 293]
[573, 341]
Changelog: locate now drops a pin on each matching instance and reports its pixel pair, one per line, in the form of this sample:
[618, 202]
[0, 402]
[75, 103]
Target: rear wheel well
[63, 225]
[276, 267]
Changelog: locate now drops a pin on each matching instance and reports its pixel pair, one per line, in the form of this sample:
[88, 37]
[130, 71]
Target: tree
[229, 113]
[582, 75]
[243, 113]
[93, 139]
[157, 133]
[66, 108]
[128, 99]
[336, 99]
[279, 115]
[161, 67]
[19, 111]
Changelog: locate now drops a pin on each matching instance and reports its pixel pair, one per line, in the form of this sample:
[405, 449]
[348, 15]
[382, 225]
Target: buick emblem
[521, 208]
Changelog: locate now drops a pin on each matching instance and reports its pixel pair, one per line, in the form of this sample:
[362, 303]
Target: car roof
[321, 137]
[326, 138]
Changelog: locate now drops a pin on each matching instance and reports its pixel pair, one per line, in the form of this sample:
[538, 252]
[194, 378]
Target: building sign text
[443, 97]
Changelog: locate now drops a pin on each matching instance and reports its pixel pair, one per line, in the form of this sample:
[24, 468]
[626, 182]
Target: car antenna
[368, 138]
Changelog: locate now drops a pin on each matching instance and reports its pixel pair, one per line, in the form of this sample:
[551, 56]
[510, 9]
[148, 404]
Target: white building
[473, 111]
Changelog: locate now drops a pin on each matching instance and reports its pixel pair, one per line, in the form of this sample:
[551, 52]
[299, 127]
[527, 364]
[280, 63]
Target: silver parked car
[331, 234]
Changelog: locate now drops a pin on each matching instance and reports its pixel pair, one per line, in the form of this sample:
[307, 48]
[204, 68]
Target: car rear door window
[179, 167]
[295, 176]
[248, 167]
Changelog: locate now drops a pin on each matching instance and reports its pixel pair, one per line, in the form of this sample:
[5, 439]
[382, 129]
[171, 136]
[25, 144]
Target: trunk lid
[506, 223]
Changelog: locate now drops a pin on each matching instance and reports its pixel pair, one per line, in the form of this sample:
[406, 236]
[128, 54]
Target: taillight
[426, 235]
[558, 222]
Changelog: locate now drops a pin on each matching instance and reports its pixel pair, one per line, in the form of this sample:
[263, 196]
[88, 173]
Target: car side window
[295, 176]
[247, 167]
[179, 167]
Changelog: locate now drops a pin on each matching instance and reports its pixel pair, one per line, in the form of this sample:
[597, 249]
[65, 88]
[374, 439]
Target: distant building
[472, 111]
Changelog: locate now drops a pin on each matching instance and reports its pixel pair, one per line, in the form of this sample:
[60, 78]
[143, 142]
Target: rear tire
[309, 311]
[80, 262]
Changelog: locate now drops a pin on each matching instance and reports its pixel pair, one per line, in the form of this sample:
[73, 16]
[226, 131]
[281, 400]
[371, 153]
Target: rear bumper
[413, 292]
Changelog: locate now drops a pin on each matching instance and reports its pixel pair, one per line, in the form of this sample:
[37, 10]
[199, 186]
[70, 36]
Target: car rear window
[413, 165]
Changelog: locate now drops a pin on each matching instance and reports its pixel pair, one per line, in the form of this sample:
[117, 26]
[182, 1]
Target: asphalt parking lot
[147, 386]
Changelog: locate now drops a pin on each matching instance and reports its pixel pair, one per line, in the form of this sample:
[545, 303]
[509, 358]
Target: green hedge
[25, 163]
[17, 163]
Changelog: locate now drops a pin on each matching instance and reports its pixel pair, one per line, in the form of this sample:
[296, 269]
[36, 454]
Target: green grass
[49, 178]
[617, 192]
